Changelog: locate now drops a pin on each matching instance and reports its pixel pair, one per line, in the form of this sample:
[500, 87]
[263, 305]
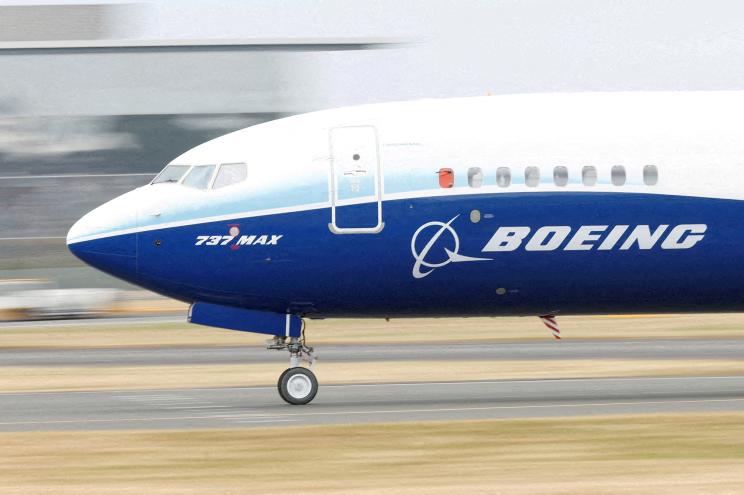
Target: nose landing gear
[297, 385]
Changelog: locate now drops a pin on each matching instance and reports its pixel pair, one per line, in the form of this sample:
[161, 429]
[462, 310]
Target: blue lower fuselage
[295, 263]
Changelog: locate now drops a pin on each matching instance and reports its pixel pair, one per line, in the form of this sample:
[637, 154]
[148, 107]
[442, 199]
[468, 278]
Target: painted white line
[241, 421]
[454, 383]
[243, 415]
[496, 408]
[159, 399]
[404, 384]
[282, 417]
[266, 420]
[134, 420]
[183, 408]
[526, 380]
[145, 397]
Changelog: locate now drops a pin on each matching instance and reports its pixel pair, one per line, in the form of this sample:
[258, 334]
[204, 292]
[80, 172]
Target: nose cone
[105, 238]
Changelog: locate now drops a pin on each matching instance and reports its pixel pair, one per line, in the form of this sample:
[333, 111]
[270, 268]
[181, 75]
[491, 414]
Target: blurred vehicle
[39, 299]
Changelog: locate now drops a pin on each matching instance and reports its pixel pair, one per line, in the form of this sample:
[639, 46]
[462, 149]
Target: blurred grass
[357, 331]
[659, 453]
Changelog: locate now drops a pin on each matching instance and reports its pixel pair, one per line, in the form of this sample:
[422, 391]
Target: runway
[344, 404]
[599, 349]
[190, 408]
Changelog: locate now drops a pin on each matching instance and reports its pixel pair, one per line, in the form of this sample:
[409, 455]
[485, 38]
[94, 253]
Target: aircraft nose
[105, 238]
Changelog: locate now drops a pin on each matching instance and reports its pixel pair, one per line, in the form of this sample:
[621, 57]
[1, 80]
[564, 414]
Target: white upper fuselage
[694, 139]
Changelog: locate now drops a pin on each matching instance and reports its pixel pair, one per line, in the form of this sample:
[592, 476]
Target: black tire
[299, 377]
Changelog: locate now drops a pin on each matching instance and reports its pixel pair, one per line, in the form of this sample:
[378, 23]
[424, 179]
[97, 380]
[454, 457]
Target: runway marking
[282, 416]
[518, 380]
[399, 384]
[241, 421]
[170, 402]
[125, 420]
[528, 406]
[195, 407]
[154, 397]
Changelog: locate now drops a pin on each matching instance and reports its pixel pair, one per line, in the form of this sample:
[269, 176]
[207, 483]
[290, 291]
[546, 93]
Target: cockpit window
[229, 174]
[171, 173]
[199, 176]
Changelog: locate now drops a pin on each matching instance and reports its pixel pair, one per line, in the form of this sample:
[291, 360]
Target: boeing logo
[554, 237]
[452, 256]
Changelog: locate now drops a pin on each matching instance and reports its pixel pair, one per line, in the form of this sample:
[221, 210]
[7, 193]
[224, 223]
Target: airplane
[512, 205]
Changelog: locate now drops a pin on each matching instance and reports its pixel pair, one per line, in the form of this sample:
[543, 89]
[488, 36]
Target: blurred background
[97, 96]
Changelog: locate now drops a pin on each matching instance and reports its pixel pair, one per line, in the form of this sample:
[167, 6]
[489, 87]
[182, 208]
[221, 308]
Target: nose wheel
[297, 386]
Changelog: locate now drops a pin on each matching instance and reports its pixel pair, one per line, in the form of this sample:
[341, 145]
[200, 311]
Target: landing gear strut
[297, 385]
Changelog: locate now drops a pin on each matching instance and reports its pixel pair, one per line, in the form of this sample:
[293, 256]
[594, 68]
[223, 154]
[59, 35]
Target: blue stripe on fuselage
[310, 269]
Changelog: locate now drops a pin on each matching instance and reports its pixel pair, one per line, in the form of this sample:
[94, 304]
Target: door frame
[333, 185]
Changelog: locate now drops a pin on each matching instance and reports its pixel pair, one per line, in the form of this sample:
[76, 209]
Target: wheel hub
[299, 386]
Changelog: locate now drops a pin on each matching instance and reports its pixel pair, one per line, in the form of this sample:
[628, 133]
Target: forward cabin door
[356, 181]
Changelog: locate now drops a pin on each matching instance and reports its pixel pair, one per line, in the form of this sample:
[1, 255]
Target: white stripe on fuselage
[433, 193]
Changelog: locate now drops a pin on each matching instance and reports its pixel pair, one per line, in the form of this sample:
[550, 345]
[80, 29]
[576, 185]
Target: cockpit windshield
[229, 174]
[203, 176]
[199, 177]
[171, 173]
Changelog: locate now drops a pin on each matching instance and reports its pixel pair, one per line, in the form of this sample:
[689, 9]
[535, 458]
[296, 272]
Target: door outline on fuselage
[334, 188]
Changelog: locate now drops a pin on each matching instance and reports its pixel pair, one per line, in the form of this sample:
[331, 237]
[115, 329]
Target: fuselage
[502, 205]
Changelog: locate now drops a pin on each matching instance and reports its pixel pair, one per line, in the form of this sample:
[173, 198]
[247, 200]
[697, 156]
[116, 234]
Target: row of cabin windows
[560, 176]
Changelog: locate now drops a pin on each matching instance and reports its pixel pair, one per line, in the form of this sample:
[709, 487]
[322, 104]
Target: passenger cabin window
[560, 176]
[618, 175]
[589, 176]
[171, 173]
[650, 175]
[229, 174]
[475, 177]
[532, 176]
[446, 178]
[503, 176]
[199, 177]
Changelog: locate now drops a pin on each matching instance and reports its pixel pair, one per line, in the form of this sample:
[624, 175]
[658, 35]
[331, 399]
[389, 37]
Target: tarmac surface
[488, 351]
[344, 404]
[189, 408]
